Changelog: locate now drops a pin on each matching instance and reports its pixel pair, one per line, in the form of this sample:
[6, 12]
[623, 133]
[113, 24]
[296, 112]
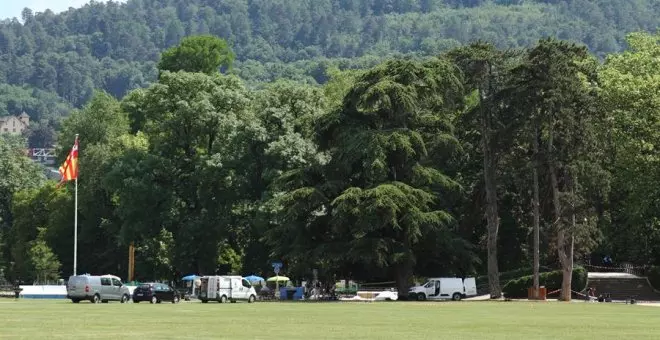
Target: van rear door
[204, 288]
[470, 286]
[76, 286]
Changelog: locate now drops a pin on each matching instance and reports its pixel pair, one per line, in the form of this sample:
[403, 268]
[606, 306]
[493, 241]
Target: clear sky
[13, 8]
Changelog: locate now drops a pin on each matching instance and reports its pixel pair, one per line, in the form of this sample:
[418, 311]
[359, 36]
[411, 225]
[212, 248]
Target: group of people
[591, 294]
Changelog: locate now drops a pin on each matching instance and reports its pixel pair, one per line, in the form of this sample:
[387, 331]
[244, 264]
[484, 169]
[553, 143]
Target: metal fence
[627, 268]
[377, 286]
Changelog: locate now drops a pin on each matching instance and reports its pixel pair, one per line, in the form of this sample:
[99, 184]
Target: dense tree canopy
[197, 54]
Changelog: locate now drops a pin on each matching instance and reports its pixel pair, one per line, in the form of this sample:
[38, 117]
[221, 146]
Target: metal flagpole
[75, 222]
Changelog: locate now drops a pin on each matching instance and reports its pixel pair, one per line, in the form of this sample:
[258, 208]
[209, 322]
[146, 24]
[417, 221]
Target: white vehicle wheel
[456, 297]
[223, 299]
[154, 299]
[251, 299]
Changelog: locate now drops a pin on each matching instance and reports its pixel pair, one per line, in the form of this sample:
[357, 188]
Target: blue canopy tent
[254, 278]
[192, 278]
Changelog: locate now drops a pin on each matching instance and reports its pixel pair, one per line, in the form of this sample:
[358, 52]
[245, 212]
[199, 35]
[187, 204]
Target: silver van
[96, 289]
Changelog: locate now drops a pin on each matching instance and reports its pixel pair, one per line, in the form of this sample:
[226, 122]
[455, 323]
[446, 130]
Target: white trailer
[226, 288]
[444, 288]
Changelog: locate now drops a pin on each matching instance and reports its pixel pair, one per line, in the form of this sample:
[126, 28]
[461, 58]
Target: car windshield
[145, 286]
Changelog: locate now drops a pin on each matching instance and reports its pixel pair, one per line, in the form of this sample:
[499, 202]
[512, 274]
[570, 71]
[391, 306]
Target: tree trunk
[567, 268]
[537, 213]
[404, 272]
[491, 204]
[561, 231]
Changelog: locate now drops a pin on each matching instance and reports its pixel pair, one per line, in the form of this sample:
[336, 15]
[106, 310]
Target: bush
[510, 275]
[653, 275]
[551, 280]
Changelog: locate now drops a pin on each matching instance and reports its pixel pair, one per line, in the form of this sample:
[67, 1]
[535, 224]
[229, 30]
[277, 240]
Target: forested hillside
[115, 47]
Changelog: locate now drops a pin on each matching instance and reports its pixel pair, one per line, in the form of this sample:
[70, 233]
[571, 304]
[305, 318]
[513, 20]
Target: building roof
[24, 115]
[6, 119]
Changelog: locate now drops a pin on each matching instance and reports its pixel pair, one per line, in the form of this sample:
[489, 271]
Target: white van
[96, 289]
[226, 288]
[444, 288]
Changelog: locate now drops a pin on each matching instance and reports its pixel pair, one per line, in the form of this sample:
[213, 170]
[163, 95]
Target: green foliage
[229, 260]
[377, 196]
[189, 167]
[204, 54]
[376, 175]
[155, 257]
[630, 87]
[45, 264]
[510, 275]
[288, 113]
[551, 280]
[30, 210]
[338, 84]
[17, 172]
[99, 122]
[115, 46]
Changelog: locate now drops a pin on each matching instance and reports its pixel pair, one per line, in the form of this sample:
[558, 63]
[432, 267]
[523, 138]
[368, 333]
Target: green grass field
[50, 319]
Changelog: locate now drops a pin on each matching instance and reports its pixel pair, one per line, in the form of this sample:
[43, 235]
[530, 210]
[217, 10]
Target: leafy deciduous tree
[205, 54]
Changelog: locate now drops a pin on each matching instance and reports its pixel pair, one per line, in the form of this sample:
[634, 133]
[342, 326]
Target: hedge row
[510, 275]
[517, 288]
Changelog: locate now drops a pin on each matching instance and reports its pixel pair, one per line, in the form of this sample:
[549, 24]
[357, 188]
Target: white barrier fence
[49, 292]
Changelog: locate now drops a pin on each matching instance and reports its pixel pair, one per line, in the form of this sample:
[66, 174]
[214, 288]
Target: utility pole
[537, 214]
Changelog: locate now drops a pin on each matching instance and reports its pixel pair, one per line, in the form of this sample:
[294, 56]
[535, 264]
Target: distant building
[14, 125]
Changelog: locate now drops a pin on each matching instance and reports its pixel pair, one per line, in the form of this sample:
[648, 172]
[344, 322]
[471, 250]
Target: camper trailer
[226, 288]
[445, 288]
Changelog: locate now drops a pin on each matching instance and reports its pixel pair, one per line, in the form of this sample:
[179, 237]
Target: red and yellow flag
[69, 169]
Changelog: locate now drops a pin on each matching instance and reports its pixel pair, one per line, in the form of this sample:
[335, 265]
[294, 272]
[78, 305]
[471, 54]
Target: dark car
[155, 293]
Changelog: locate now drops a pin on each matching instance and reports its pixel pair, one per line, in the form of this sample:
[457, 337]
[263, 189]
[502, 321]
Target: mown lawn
[51, 319]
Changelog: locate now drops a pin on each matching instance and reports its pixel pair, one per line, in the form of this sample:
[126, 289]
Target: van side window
[246, 284]
[105, 281]
[116, 282]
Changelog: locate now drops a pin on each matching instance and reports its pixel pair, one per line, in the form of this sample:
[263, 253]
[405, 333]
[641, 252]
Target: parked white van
[96, 289]
[226, 288]
[444, 288]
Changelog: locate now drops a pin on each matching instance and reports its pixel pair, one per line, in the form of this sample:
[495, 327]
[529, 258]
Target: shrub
[510, 275]
[551, 280]
[653, 275]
